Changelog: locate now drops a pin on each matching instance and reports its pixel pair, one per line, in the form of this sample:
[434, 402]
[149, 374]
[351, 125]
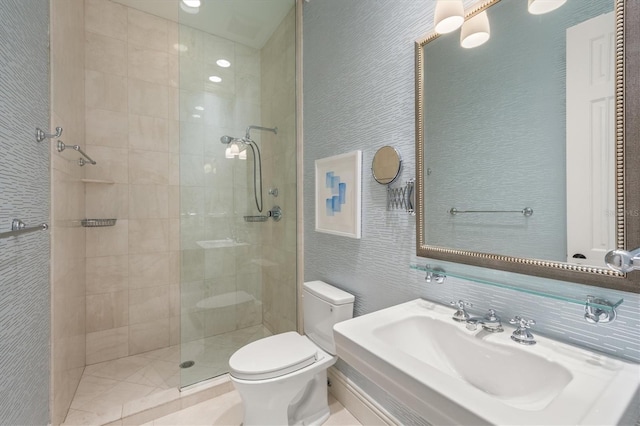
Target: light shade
[475, 31]
[538, 7]
[449, 16]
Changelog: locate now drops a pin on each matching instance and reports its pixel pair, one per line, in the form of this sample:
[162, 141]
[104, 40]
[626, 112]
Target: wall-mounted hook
[41, 135]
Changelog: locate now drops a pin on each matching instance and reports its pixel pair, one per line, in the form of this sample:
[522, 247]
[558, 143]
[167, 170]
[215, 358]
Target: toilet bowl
[282, 379]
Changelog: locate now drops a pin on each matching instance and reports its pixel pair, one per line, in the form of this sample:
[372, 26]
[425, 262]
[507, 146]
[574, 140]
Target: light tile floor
[227, 410]
[106, 387]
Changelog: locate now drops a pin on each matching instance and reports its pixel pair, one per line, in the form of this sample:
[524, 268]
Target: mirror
[386, 165]
[504, 177]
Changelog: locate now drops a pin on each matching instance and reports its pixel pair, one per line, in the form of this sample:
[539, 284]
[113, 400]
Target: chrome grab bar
[527, 211]
[62, 147]
[19, 227]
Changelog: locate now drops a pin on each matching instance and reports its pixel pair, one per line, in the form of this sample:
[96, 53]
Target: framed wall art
[338, 194]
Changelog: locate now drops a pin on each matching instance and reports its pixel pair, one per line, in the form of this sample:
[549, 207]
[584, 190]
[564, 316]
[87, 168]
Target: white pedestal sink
[450, 375]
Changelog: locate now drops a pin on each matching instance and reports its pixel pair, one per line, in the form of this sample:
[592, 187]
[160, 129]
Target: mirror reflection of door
[591, 140]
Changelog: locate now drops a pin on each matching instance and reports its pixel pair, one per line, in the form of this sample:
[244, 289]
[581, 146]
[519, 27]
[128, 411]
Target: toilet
[282, 379]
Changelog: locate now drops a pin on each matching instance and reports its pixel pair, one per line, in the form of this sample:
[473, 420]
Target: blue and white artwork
[338, 193]
[338, 205]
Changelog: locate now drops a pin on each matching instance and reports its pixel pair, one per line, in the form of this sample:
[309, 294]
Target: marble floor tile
[107, 386]
[226, 410]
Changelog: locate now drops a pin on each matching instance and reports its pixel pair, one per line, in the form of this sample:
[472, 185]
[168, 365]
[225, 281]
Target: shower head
[227, 139]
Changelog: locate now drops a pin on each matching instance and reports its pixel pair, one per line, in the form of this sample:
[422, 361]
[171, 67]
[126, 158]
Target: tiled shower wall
[359, 94]
[67, 205]
[24, 194]
[279, 157]
[132, 268]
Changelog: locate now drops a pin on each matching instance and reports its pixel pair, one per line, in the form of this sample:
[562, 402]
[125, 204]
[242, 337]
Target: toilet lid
[273, 356]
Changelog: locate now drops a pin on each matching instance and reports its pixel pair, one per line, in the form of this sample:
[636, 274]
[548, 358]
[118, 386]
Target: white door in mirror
[591, 141]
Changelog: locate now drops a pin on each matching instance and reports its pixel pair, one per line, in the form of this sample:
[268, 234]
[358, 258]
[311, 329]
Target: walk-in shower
[237, 146]
[185, 279]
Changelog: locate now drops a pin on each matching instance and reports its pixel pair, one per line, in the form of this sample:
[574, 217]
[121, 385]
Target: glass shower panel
[238, 281]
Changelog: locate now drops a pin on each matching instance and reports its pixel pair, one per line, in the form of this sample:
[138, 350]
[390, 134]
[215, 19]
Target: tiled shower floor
[108, 389]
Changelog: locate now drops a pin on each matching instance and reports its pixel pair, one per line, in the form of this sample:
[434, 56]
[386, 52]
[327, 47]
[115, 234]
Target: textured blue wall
[24, 194]
[359, 94]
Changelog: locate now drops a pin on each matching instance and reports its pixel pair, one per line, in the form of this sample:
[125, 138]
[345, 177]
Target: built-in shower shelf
[108, 182]
[95, 223]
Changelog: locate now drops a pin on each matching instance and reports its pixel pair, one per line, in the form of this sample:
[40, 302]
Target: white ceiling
[250, 22]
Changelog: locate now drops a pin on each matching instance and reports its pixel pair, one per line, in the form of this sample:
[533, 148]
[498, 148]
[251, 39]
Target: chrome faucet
[461, 314]
[490, 322]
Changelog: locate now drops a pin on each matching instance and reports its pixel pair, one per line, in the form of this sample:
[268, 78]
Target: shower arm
[267, 129]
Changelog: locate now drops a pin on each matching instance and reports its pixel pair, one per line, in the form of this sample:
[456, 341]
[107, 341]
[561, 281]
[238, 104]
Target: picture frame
[338, 194]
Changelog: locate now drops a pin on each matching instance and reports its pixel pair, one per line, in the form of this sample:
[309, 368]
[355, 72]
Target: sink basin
[450, 375]
[489, 367]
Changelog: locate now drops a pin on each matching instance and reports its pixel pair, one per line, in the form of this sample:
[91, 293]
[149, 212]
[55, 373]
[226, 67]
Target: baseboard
[366, 410]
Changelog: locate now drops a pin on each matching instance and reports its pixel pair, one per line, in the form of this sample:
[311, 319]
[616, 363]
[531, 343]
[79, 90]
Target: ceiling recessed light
[223, 63]
[196, 116]
[190, 6]
[215, 79]
[199, 108]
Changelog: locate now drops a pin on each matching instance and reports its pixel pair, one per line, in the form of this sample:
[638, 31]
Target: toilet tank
[323, 306]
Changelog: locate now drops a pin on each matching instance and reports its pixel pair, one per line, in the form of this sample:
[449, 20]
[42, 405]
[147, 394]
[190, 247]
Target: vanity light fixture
[448, 16]
[234, 150]
[538, 7]
[475, 31]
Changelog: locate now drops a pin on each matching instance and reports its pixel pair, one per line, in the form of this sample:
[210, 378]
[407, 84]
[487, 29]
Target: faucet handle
[492, 315]
[522, 322]
[461, 314]
[522, 334]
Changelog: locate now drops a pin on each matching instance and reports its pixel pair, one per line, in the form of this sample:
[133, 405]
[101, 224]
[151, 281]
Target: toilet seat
[273, 356]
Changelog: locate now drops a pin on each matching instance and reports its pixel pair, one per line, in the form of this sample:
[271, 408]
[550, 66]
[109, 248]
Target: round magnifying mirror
[386, 165]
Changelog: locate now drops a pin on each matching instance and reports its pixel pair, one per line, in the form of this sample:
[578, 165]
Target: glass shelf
[540, 293]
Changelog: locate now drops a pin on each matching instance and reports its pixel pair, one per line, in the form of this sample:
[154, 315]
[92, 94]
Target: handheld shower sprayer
[228, 140]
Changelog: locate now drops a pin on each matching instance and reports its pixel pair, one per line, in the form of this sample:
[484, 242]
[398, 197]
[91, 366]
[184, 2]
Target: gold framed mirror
[485, 179]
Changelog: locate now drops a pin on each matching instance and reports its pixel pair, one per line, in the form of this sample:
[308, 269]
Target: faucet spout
[490, 322]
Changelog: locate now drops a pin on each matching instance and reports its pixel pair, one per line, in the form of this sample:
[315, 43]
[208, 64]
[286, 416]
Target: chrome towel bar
[19, 227]
[81, 162]
[527, 211]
